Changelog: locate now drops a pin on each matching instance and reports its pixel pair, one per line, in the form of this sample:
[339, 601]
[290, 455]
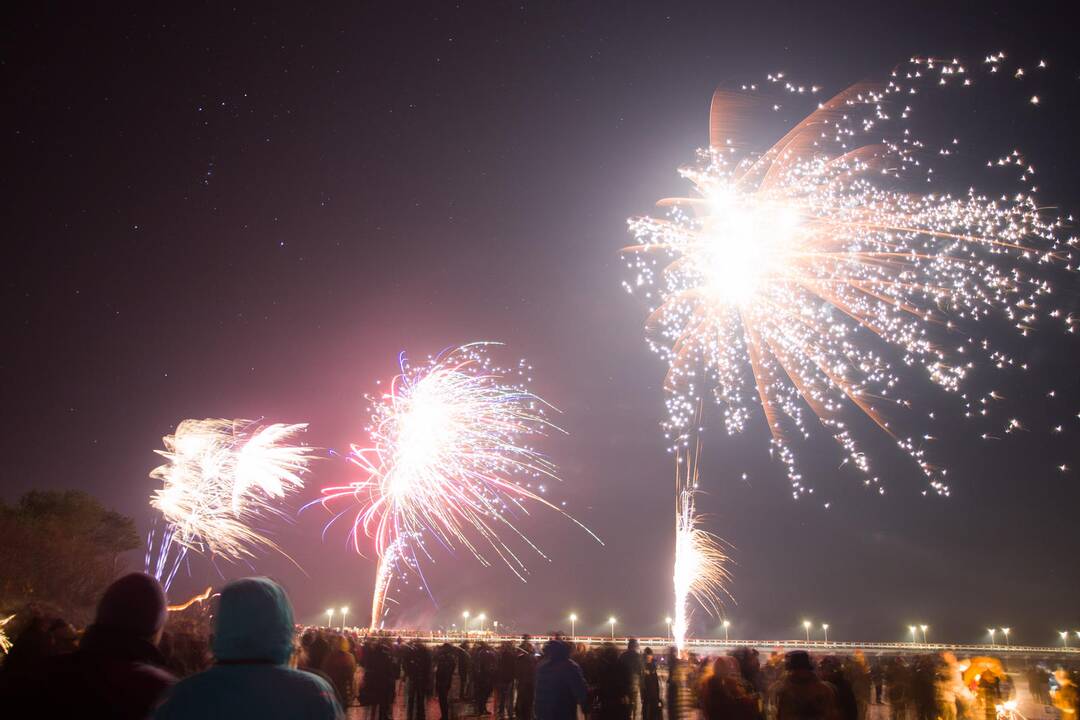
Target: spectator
[252, 645]
[802, 696]
[117, 671]
[340, 667]
[560, 684]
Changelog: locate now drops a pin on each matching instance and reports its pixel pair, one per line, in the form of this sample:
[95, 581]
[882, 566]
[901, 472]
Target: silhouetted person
[613, 686]
[379, 682]
[560, 684]
[484, 666]
[525, 679]
[117, 671]
[802, 696]
[504, 681]
[445, 662]
[464, 669]
[252, 645]
[631, 660]
[833, 673]
[651, 706]
[340, 668]
[417, 680]
[723, 693]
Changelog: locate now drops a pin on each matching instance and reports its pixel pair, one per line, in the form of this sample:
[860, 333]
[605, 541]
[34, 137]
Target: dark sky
[223, 212]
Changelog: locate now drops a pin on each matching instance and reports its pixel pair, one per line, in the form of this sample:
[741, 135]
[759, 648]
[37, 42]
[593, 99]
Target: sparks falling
[222, 481]
[700, 570]
[448, 459]
[795, 278]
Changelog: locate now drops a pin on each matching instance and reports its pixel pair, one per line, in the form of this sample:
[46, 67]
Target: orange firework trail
[448, 459]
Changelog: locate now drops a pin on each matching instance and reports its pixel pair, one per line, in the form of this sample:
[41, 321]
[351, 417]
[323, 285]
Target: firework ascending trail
[700, 570]
[5, 644]
[222, 480]
[793, 276]
[448, 459]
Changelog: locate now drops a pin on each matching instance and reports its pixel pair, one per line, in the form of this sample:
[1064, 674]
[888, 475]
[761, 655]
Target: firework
[448, 459]
[700, 570]
[800, 278]
[223, 479]
[5, 644]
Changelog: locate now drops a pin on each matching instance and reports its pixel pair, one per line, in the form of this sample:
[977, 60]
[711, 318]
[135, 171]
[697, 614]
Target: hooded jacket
[253, 641]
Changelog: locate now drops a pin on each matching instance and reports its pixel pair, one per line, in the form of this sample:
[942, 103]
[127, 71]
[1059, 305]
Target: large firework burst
[799, 278]
[448, 459]
[222, 481]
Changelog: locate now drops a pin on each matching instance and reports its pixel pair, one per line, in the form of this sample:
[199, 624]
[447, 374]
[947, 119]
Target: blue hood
[254, 622]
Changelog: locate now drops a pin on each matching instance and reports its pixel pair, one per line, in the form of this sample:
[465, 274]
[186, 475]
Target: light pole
[668, 621]
[1005, 632]
[344, 612]
[825, 629]
[573, 626]
[465, 622]
[482, 617]
[329, 615]
[912, 628]
[806, 627]
[991, 631]
[923, 628]
[727, 624]
[611, 621]
[1064, 637]
[495, 623]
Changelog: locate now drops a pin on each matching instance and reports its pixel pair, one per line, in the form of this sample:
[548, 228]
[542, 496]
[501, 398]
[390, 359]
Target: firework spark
[700, 570]
[5, 643]
[799, 278]
[448, 459]
[222, 480]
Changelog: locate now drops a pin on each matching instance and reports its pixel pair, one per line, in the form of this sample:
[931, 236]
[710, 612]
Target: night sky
[221, 212]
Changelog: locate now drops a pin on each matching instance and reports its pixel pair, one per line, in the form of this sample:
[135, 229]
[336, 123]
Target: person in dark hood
[117, 671]
[802, 696]
[379, 683]
[252, 646]
[560, 684]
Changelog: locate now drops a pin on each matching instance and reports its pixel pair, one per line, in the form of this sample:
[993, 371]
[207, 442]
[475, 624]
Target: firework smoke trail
[700, 570]
[222, 480]
[448, 459]
[796, 277]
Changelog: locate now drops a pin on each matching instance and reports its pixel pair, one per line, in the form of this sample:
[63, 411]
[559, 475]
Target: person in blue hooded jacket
[252, 644]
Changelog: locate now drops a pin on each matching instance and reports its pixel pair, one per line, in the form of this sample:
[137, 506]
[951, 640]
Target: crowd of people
[256, 663]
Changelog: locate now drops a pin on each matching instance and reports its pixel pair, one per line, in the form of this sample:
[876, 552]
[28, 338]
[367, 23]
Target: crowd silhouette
[255, 662]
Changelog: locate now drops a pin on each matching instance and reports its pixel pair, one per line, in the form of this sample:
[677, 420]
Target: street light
[825, 629]
[1064, 637]
[465, 621]
[991, 631]
[573, 626]
[668, 621]
[611, 620]
[912, 628]
[806, 627]
[727, 624]
[482, 617]
[344, 612]
[923, 628]
[496, 624]
[1005, 632]
[329, 615]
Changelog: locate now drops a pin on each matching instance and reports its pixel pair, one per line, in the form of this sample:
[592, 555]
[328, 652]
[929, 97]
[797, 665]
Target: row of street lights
[330, 617]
